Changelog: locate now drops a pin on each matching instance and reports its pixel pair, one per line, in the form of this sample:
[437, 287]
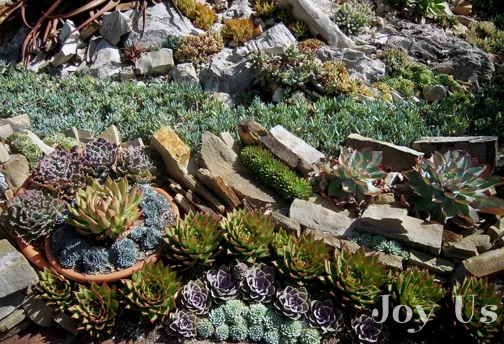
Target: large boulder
[274, 41]
[106, 60]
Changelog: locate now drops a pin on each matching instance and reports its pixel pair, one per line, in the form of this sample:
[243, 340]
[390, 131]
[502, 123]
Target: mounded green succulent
[451, 186]
[473, 295]
[205, 328]
[31, 215]
[105, 210]
[417, 287]
[352, 180]
[193, 241]
[55, 289]
[152, 290]
[359, 276]
[310, 336]
[248, 234]
[275, 173]
[96, 309]
[353, 15]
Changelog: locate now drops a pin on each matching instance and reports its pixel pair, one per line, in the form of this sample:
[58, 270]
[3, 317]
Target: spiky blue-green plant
[291, 328]
[61, 236]
[123, 253]
[205, 328]
[272, 336]
[95, 260]
[256, 332]
[309, 336]
[256, 313]
[238, 332]
[217, 316]
[233, 309]
[222, 332]
[272, 320]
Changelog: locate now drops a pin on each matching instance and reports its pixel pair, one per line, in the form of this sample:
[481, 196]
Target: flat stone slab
[296, 145]
[10, 302]
[15, 271]
[485, 264]
[434, 264]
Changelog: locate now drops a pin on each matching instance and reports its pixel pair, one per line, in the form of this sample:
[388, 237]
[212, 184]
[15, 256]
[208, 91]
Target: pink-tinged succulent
[293, 302]
[259, 284]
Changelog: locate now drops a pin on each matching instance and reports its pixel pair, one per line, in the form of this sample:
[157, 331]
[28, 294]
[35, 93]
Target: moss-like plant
[199, 48]
[274, 173]
[336, 79]
[205, 16]
[239, 30]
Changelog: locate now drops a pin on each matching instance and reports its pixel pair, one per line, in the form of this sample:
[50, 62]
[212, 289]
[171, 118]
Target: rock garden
[291, 172]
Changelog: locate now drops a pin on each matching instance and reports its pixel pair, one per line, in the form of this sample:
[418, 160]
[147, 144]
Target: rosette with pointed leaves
[195, 296]
[221, 283]
[136, 164]
[469, 298]
[96, 309]
[280, 241]
[101, 156]
[451, 186]
[55, 290]
[259, 284]
[184, 323]
[324, 316]
[359, 276]
[152, 290]
[416, 287]
[194, 240]
[293, 302]
[366, 331]
[31, 215]
[248, 234]
[302, 259]
[105, 210]
[354, 178]
[61, 171]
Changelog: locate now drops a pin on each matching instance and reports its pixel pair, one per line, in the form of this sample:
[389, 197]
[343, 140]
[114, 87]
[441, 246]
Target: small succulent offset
[217, 316]
[105, 210]
[194, 240]
[234, 310]
[256, 313]
[259, 284]
[152, 290]
[359, 276]
[184, 323]
[101, 156]
[198, 49]
[205, 328]
[31, 215]
[293, 302]
[366, 330]
[240, 271]
[469, 298]
[96, 309]
[221, 283]
[72, 252]
[136, 164]
[55, 289]
[451, 186]
[291, 329]
[196, 297]
[324, 316]
[222, 332]
[353, 178]
[156, 209]
[353, 16]
[248, 234]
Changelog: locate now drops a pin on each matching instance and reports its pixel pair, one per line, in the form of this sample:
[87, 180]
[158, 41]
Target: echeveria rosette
[477, 293]
[184, 323]
[324, 316]
[152, 290]
[101, 156]
[360, 277]
[259, 284]
[55, 289]
[366, 330]
[221, 283]
[451, 186]
[195, 296]
[293, 302]
[136, 164]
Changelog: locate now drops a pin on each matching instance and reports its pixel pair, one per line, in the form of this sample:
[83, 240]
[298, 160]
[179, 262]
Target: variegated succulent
[355, 177]
[451, 186]
[195, 296]
[259, 284]
[55, 289]
[248, 234]
[359, 276]
[193, 241]
[105, 210]
[293, 302]
[152, 290]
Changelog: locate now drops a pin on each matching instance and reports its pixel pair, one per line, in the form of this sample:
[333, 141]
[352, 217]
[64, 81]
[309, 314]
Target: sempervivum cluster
[195, 297]
[101, 156]
[325, 316]
[221, 283]
[55, 289]
[136, 164]
[293, 302]
[259, 284]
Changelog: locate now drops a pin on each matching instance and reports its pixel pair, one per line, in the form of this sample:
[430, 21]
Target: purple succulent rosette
[367, 330]
[183, 323]
[293, 302]
[196, 298]
[259, 284]
[221, 283]
[325, 316]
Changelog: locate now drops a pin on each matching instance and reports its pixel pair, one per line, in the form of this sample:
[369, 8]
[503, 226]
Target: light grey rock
[133, 143]
[127, 73]
[114, 26]
[4, 155]
[23, 325]
[310, 215]
[162, 20]
[286, 223]
[11, 302]
[390, 260]
[111, 135]
[480, 241]
[230, 141]
[15, 271]
[485, 264]
[36, 309]
[13, 319]
[85, 135]
[434, 92]
[106, 60]
[39, 62]
[434, 264]
[358, 64]
[224, 98]
[273, 41]
[16, 170]
[239, 9]
[219, 187]
[184, 73]
[65, 54]
[157, 62]
[19, 122]
[460, 250]
[38, 142]
[496, 231]
[68, 31]
[5, 131]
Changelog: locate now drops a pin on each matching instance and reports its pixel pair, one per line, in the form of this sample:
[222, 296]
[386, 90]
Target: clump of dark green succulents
[217, 316]
[324, 316]
[95, 260]
[156, 209]
[101, 156]
[272, 336]
[290, 330]
[222, 332]
[31, 215]
[55, 289]
[366, 331]
[196, 297]
[136, 164]
[221, 283]
[272, 320]
[234, 310]
[61, 142]
[123, 253]
[256, 313]
[255, 332]
[379, 243]
[292, 302]
[184, 323]
[205, 329]
[258, 284]
[275, 173]
[238, 331]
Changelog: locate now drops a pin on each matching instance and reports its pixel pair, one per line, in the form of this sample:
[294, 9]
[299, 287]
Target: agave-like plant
[193, 241]
[152, 290]
[417, 287]
[354, 178]
[248, 234]
[105, 210]
[96, 309]
[451, 186]
[469, 299]
[302, 259]
[359, 276]
[55, 289]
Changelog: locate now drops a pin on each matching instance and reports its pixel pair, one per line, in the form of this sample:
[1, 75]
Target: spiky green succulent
[353, 179]
[451, 186]
[217, 316]
[353, 16]
[96, 309]
[291, 328]
[193, 241]
[255, 332]
[30, 215]
[238, 331]
[302, 259]
[275, 173]
[222, 332]
[248, 234]
[360, 277]
[416, 287]
[272, 336]
[469, 298]
[136, 164]
[152, 290]
[55, 289]
[105, 210]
